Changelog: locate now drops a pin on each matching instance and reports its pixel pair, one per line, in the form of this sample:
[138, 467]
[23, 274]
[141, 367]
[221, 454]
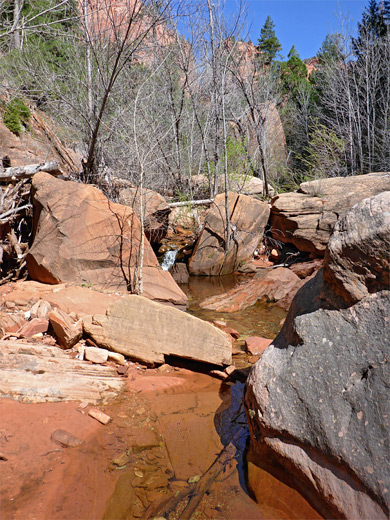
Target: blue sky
[303, 23]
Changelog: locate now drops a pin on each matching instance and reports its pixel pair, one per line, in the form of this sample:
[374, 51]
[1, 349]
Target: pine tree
[293, 73]
[268, 43]
[375, 24]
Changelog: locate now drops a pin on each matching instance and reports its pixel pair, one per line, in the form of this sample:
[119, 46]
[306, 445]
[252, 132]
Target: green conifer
[268, 43]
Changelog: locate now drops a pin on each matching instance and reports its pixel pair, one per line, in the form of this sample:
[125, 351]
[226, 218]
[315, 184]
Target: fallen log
[190, 203]
[21, 172]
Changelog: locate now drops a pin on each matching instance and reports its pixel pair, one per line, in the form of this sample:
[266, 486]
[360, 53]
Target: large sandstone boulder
[148, 331]
[238, 183]
[357, 261]
[317, 400]
[81, 237]
[248, 217]
[306, 219]
[154, 209]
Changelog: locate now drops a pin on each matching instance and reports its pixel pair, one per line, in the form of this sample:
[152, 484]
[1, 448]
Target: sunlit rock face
[82, 237]
[317, 400]
[248, 218]
[307, 218]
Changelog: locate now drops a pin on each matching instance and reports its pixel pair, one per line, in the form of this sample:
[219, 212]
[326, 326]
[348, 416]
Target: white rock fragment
[95, 354]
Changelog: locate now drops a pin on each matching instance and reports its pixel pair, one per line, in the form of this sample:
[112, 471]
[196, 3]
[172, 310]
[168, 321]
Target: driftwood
[13, 211]
[22, 172]
[190, 203]
[15, 229]
[195, 492]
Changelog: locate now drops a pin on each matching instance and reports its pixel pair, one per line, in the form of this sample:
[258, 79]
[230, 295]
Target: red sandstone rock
[40, 309]
[99, 416]
[35, 326]
[254, 266]
[10, 322]
[83, 238]
[96, 355]
[307, 219]
[255, 345]
[233, 332]
[67, 332]
[179, 272]
[65, 439]
[248, 218]
[272, 285]
[154, 208]
[305, 269]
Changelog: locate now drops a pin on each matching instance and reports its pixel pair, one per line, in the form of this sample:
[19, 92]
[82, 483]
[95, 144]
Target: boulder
[154, 208]
[248, 218]
[306, 219]
[35, 326]
[82, 237]
[317, 400]
[238, 183]
[147, 331]
[357, 261]
[67, 332]
[317, 406]
[273, 285]
[179, 272]
[185, 217]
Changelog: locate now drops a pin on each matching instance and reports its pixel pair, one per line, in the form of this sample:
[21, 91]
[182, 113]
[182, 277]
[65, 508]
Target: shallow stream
[183, 435]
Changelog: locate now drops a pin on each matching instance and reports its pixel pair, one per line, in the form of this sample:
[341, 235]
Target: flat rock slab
[148, 331]
[68, 298]
[38, 373]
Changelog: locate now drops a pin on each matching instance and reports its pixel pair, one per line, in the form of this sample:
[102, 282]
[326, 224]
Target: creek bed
[182, 452]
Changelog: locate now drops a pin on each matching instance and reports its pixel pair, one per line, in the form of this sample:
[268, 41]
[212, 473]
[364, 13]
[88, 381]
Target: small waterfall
[169, 259]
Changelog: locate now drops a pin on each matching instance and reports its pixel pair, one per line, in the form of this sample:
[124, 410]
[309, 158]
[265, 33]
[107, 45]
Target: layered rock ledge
[317, 400]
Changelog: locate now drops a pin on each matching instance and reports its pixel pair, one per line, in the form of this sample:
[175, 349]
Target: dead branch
[190, 203]
[195, 492]
[21, 172]
[14, 211]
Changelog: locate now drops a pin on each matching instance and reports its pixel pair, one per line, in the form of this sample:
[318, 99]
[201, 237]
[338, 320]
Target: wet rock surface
[273, 285]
